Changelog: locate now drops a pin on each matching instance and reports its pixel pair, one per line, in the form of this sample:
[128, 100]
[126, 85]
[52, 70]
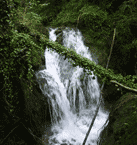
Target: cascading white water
[72, 94]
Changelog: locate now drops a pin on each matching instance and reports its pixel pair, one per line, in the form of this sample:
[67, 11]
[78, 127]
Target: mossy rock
[121, 129]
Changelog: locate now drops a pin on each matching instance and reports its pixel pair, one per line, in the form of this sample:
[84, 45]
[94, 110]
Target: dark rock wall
[27, 123]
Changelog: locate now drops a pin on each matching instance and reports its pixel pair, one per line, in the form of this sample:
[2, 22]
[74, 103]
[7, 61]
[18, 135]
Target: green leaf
[134, 112]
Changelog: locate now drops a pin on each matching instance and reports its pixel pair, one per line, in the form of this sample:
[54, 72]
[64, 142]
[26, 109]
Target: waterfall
[71, 93]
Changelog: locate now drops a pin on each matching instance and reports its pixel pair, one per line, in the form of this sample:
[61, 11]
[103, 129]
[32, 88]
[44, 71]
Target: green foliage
[30, 47]
[21, 46]
[33, 17]
[69, 13]
[93, 16]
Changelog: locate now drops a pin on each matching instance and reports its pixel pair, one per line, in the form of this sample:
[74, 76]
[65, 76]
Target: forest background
[24, 37]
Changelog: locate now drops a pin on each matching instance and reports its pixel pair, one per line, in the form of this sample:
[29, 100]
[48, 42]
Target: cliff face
[121, 129]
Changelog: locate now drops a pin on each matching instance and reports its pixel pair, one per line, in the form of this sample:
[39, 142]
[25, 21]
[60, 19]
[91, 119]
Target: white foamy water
[72, 93]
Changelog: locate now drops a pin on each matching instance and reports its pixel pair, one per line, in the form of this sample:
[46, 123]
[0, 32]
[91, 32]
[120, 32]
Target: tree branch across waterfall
[89, 65]
[78, 60]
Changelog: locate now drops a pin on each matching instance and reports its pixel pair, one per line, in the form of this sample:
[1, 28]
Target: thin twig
[126, 87]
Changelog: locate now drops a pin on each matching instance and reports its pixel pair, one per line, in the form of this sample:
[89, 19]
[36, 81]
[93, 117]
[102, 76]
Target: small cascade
[72, 94]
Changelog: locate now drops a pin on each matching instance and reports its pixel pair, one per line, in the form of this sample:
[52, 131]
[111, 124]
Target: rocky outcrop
[121, 129]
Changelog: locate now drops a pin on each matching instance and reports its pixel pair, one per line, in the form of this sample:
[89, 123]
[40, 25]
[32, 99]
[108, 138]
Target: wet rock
[59, 34]
[73, 140]
[64, 140]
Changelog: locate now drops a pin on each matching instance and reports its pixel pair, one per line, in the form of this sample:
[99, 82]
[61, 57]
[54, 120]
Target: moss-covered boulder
[121, 129]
